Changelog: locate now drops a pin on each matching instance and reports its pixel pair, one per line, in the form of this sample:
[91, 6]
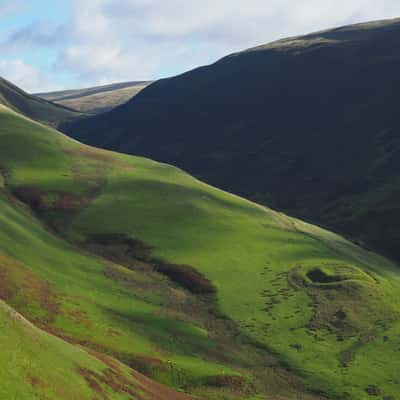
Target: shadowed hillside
[308, 125]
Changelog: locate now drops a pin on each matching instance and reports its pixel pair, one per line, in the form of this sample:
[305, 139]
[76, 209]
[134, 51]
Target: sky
[50, 45]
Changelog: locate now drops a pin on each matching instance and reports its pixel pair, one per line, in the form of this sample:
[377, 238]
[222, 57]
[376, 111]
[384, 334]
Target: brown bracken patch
[36, 382]
[92, 382]
[232, 382]
[7, 288]
[120, 248]
[112, 379]
[81, 318]
[56, 208]
[61, 201]
[18, 283]
[147, 365]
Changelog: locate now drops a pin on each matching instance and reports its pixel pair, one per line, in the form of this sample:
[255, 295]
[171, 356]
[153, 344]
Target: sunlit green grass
[37, 365]
[258, 260]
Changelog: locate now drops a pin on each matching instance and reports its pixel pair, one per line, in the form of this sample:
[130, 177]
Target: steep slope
[38, 365]
[308, 125]
[97, 99]
[33, 107]
[195, 287]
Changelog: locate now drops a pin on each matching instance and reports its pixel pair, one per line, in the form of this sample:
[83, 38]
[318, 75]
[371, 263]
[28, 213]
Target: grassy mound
[272, 326]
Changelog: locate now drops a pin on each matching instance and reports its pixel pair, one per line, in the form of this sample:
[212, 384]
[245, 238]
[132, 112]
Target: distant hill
[32, 106]
[96, 99]
[309, 125]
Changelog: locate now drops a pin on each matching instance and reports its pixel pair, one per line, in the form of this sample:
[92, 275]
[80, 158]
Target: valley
[90, 275]
[124, 277]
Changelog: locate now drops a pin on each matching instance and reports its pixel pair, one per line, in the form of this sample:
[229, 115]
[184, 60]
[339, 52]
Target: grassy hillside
[38, 365]
[97, 99]
[307, 125]
[33, 107]
[194, 287]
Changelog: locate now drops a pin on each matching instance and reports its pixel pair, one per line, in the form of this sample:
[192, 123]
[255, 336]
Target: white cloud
[116, 40]
[25, 76]
[134, 39]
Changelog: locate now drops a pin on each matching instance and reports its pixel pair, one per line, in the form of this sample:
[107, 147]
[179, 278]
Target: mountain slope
[97, 99]
[308, 125]
[32, 106]
[132, 314]
[38, 365]
[195, 287]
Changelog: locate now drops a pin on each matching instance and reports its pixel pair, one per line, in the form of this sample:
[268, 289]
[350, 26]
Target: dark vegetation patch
[93, 383]
[8, 288]
[232, 382]
[5, 172]
[54, 208]
[373, 390]
[36, 382]
[41, 201]
[317, 275]
[119, 248]
[133, 252]
[5, 176]
[30, 196]
[149, 366]
[186, 276]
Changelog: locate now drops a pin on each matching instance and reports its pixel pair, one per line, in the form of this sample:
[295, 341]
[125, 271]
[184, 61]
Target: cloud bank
[25, 75]
[116, 40]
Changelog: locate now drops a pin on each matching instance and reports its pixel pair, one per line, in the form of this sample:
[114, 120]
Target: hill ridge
[98, 99]
[305, 131]
[33, 106]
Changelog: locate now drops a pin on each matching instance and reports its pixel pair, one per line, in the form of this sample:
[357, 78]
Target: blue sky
[58, 44]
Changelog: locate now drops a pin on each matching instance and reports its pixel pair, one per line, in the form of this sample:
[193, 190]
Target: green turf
[295, 293]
